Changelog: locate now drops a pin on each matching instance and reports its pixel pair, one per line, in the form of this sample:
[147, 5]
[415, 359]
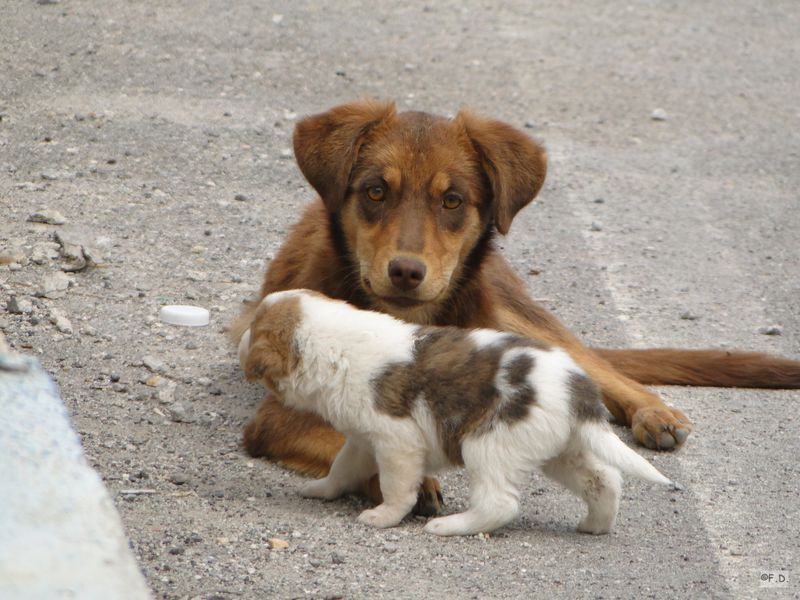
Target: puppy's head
[415, 194]
[267, 350]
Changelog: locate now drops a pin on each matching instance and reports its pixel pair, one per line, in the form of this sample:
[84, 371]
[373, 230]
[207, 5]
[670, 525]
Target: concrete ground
[161, 132]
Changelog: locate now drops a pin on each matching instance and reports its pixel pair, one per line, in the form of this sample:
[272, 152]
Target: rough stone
[54, 285]
[47, 216]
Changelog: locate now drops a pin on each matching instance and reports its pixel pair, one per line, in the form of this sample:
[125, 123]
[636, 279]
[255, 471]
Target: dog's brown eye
[452, 200]
[376, 193]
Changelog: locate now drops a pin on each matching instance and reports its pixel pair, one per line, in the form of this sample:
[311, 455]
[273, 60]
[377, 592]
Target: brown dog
[409, 204]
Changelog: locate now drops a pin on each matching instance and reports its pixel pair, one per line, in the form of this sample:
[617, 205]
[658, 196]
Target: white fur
[343, 349]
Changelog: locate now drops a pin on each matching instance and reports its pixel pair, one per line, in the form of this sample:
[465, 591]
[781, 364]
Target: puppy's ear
[326, 145]
[267, 361]
[515, 164]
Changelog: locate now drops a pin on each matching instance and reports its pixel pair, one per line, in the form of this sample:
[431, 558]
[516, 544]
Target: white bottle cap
[179, 314]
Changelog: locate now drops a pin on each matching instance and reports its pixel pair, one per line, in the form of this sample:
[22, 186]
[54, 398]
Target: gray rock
[78, 247]
[56, 175]
[181, 414]
[659, 114]
[166, 393]
[61, 322]
[44, 252]
[770, 330]
[689, 316]
[19, 306]
[156, 365]
[54, 285]
[596, 226]
[47, 216]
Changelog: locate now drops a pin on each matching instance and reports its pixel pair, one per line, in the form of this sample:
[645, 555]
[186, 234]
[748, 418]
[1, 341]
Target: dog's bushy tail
[598, 437]
[719, 368]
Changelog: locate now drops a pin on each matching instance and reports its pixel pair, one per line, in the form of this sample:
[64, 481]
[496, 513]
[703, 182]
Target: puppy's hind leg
[354, 464]
[494, 493]
[597, 484]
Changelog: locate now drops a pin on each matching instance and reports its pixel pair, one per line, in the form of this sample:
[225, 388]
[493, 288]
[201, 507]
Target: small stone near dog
[19, 306]
[54, 285]
[770, 330]
[277, 544]
[154, 364]
[61, 322]
[48, 217]
[181, 414]
[659, 114]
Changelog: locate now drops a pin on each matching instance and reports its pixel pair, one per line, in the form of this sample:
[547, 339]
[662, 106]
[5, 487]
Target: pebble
[42, 253]
[61, 322]
[154, 364]
[166, 394]
[55, 176]
[689, 316]
[659, 114]
[192, 346]
[770, 330]
[19, 306]
[114, 377]
[30, 186]
[204, 381]
[181, 414]
[49, 217]
[11, 255]
[596, 226]
[78, 247]
[241, 198]
[54, 285]
[277, 544]
[337, 559]
[390, 548]
[196, 276]
[179, 479]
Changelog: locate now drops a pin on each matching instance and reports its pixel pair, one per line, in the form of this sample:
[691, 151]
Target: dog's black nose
[406, 273]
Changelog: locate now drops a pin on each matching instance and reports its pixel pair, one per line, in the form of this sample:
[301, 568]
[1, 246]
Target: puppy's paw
[660, 427]
[321, 488]
[593, 527]
[380, 517]
[446, 526]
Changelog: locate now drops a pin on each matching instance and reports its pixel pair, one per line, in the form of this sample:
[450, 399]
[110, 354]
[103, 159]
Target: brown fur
[457, 380]
[343, 242]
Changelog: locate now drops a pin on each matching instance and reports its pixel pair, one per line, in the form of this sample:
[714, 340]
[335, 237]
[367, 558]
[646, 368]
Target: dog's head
[415, 194]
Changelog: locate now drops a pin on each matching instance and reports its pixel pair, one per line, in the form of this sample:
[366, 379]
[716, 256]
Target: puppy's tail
[598, 437]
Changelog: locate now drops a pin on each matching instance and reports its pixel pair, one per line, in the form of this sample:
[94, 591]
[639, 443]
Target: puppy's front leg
[354, 464]
[400, 470]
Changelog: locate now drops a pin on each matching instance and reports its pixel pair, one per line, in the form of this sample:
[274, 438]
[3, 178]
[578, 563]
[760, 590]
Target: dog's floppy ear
[326, 145]
[515, 164]
[266, 362]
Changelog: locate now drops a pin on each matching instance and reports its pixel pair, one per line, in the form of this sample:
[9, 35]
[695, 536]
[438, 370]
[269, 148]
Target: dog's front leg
[401, 469]
[354, 465]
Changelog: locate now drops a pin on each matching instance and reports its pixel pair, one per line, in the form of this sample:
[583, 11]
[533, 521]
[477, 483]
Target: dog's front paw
[380, 517]
[430, 500]
[321, 488]
[660, 427]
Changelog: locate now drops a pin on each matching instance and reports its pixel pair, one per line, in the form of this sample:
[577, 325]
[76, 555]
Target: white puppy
[413, 400]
